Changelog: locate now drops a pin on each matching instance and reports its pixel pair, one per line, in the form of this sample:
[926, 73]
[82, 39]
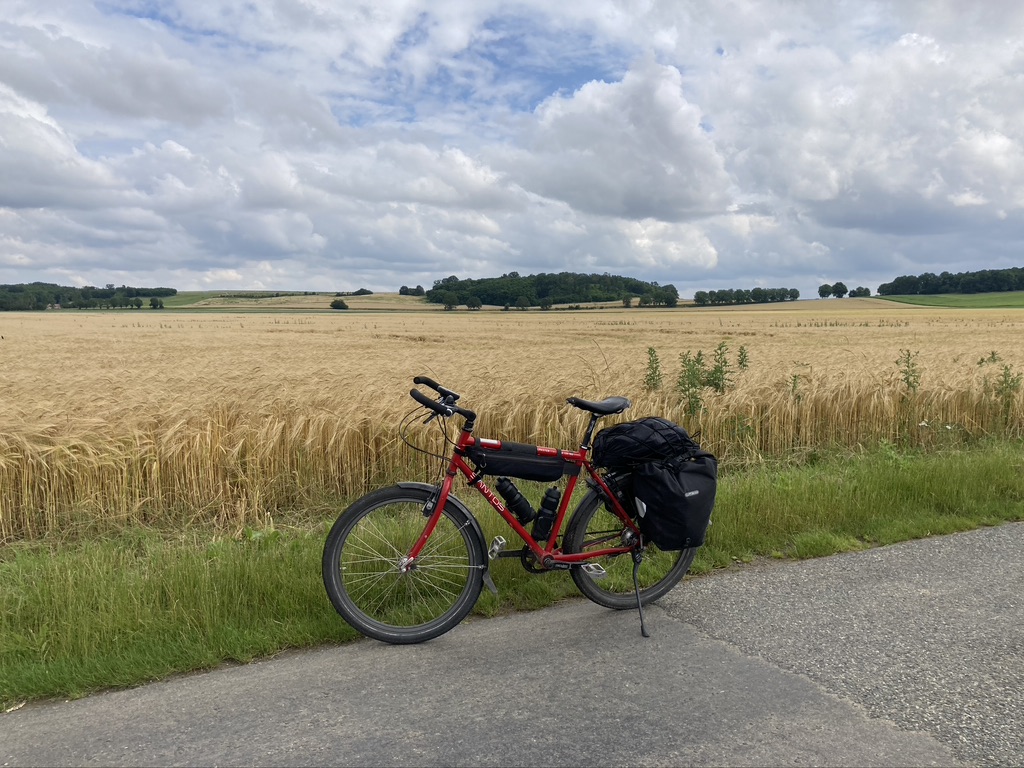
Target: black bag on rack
[671, 482]
[628, 445]
[674, 499]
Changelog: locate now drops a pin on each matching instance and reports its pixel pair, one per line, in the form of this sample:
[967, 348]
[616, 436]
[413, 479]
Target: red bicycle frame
[548, 555]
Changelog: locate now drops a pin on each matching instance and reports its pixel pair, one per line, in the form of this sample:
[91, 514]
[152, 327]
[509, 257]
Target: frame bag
[674, 499]
[520, 461]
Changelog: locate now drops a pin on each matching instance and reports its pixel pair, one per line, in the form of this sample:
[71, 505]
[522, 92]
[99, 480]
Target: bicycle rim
[377, 592]
[592, 528]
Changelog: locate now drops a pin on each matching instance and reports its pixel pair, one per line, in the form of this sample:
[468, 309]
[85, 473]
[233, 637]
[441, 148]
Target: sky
[332, 145]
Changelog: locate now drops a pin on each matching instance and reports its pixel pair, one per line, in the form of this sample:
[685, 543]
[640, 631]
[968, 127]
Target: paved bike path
[904, 655]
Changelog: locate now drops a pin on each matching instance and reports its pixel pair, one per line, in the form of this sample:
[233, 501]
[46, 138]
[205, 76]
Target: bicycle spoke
[378, 586]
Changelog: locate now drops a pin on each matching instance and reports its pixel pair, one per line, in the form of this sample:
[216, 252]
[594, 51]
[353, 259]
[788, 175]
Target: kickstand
[637, 557]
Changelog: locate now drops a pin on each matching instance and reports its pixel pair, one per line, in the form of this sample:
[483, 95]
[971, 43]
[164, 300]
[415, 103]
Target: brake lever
[448, 401]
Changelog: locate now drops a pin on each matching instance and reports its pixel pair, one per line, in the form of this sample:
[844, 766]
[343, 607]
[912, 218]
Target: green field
[237, 299]
[1001, 300]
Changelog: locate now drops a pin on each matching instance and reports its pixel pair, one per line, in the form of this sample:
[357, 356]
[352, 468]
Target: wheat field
[229, 419]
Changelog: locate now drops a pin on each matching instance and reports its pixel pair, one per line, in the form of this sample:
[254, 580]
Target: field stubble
[233, 419]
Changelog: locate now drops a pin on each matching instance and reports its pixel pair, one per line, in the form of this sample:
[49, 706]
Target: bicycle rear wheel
[591, 528]
[372, 586]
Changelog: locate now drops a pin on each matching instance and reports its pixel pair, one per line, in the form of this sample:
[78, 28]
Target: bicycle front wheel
[374, 586]
[592, 528]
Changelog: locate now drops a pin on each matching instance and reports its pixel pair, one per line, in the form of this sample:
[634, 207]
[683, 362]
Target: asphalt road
[905, 655]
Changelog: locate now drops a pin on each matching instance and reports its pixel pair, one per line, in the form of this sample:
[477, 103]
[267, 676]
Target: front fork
[433, 508]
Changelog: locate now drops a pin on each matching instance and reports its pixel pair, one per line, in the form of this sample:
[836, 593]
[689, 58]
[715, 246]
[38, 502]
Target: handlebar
[445, 406]
[436, 387]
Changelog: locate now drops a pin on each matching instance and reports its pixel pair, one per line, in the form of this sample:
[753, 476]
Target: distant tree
[627, 301]
[522, 303]
[444, 281]
[339, 304]
[450, 299]
[403, 291]
[824, 290]
[701, 298]
[794, 294]
[156, 303]
[839, 290]
[545, 303]
[418, 291]
[860, 292]
[473, 302]
[137, 302]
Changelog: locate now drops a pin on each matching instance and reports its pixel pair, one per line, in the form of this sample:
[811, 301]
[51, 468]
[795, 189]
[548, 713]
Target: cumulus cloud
[634, 149]
[315, 145]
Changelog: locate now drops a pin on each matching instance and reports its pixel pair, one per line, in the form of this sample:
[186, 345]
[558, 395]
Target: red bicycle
[407, 563]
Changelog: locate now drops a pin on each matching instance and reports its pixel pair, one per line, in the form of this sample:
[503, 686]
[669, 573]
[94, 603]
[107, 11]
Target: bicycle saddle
[605, 407]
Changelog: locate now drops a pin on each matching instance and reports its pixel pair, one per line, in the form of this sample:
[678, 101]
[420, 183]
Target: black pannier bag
[674, 499]
[520, 461]
[628, 445]
[671, 483]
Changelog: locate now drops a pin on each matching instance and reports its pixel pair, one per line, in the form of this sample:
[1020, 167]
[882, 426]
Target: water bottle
[515, 501]
[546, 515]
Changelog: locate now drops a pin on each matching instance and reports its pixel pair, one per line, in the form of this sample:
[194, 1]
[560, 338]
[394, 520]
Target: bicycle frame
[549, 555]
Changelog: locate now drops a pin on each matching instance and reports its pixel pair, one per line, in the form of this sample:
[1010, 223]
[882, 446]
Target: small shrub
[718, 377]
[652, 380]
[690, 380]
[910, 372]
[743, 359]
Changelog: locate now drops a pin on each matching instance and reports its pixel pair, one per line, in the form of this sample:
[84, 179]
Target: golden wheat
[228, 418]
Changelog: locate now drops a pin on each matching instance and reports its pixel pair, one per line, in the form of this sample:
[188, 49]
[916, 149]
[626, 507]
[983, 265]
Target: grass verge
[138, 605]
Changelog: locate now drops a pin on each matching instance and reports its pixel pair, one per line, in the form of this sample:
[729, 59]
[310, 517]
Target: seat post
[590, 431]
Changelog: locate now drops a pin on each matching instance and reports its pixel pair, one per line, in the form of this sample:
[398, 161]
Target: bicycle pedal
[497, 545]
[594, 570]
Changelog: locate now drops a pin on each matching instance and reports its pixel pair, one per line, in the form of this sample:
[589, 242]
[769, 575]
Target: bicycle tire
[593, 526]
[362, 569]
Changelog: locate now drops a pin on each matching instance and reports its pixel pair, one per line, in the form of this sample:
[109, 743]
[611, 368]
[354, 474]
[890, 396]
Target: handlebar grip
[435, 386]
[433, 405]
[424, 380]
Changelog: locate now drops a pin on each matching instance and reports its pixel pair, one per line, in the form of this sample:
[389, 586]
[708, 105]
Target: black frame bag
[521, 461]
[674, 499]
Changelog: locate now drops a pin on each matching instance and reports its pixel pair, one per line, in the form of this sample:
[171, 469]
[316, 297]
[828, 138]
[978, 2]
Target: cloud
[635, 149]
[342, 145]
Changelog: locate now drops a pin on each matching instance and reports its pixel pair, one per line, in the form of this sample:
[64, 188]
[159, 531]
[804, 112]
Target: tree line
[839, 290]
[982, 281]
[745, 296]
[544, 290]
[41, 296]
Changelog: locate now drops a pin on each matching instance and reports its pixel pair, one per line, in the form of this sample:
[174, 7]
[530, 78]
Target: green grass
[138, 605]
[188, 298]
[238, 298]
[999, 300]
